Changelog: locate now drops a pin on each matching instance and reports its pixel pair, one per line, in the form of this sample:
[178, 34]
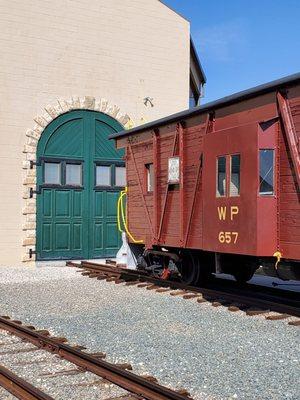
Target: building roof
[225, 101]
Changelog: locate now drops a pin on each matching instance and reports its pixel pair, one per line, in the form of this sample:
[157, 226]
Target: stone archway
[30, 148]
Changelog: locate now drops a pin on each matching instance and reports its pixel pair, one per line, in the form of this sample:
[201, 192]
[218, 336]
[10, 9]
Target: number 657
[228, 237]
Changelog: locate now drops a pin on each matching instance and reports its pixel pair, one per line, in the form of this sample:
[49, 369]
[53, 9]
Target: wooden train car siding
[186, 215]
[289, 201]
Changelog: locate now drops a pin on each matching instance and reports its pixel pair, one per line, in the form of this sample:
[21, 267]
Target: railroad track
[269, 305]
[19, 387]
[136, 387]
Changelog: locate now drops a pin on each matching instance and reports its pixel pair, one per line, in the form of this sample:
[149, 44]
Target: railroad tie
[163, 290]
[111, 278]
[276, 317]
[98, 354]
[256, 311]
[152, 287]
[144, 284]
[150, 378]
[219, 303]
[118, 281]
[94, 275]
[234, 307]
[178, 292]
[191, 296]
[125, 366]
[59, 339]
[43, 332]
[183, 392]
[201, 300]
[79, 347]
[295, 323]
[101, 277]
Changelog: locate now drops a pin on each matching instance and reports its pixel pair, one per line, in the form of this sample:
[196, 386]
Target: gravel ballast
[211, 352]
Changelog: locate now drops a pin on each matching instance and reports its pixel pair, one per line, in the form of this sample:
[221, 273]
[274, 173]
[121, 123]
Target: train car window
[221, 176]
[149, 177]
[235, 165]
[120, 176]
[52, 173]
[103, 175]
[266, 172]
[74, 174]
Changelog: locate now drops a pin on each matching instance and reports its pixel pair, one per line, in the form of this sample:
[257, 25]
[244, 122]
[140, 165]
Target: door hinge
[31, 252]
[32, 192]
[35, 163]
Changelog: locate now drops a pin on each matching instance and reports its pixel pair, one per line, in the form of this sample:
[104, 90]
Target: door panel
[78, 222]
[230, 222]
[106, 238]
[112, 237]
[98, 203]
[62, 204]
[62, 236]
[77, 204]
[47, 236]
[67, 139]
[111, 204]
[77, 236]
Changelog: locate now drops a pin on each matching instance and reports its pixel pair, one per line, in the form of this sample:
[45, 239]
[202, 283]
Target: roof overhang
[197, 62]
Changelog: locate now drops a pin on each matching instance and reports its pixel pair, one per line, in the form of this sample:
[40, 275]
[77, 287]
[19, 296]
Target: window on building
[194, 94]
[103, 175]
[74, 174]
[235, 166]
[120, 176]
[52, 174]
[149, 177]
[266, 172]
[221, 176]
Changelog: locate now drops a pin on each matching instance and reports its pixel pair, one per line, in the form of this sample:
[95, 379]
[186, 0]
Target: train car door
[230, 190]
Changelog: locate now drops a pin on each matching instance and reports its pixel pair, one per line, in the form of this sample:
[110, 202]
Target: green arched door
[79, 177]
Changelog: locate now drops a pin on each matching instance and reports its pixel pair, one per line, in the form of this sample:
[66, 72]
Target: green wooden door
[79, 177]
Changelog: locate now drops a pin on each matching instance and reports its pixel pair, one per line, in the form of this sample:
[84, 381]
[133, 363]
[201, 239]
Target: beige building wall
[121, 50]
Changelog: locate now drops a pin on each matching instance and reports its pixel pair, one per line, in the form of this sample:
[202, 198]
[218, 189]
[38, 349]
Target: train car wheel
[241, 267]
[243, 275]
[196, 267]
[189, 268]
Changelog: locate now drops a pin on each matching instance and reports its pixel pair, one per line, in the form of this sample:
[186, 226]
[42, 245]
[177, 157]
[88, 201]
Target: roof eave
[195, 56]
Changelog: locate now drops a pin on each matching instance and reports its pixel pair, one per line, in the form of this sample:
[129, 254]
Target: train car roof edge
[224, 101]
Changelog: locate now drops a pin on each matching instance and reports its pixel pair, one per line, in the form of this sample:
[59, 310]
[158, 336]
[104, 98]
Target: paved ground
[214, 353]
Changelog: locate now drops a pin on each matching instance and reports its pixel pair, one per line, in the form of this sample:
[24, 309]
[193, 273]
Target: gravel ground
[211, 352]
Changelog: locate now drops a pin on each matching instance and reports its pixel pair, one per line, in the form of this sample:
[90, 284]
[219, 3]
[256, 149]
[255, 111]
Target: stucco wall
[122, 50]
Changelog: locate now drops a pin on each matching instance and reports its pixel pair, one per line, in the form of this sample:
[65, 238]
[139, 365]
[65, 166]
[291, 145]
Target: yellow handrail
[121, 213]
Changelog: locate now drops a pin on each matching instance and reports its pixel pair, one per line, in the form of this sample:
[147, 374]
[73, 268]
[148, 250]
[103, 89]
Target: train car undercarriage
[195, 267]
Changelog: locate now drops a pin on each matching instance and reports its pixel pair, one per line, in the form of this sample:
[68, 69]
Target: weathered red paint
[187, 216]
[291, 134]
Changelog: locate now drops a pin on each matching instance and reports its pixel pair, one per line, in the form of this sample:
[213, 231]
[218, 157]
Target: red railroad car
[216, 188]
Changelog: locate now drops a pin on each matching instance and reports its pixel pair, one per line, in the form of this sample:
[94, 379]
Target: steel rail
[251, 301]
[116, 375]
[19, 387]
